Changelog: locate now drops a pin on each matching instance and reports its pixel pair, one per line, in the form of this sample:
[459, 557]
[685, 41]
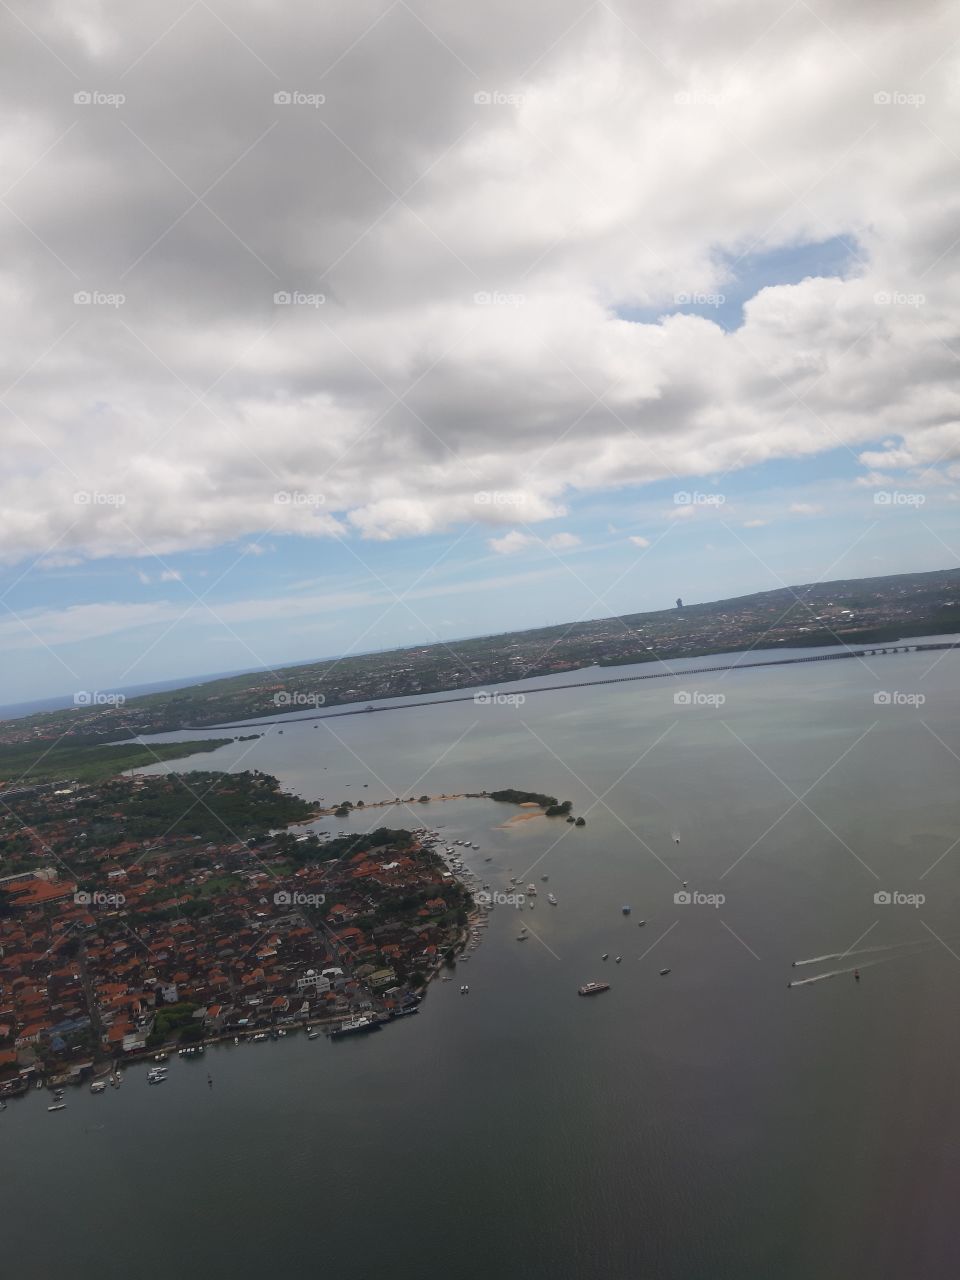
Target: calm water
[711, 1123]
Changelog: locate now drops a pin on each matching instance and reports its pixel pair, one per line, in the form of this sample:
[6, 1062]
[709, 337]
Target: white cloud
[515, 541]
[639, 541]
[755, 524]
[391, 404]
[805, 508]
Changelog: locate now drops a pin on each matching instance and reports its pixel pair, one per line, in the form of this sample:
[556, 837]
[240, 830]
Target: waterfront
[708, 1123]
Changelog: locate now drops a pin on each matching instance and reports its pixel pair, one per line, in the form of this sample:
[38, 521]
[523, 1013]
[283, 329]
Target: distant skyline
[459, 327]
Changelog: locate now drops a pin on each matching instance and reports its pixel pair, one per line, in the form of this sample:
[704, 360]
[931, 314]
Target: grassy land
[32, 762]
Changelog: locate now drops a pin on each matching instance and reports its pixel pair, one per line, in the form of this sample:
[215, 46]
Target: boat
[313, 1033]
[98, 1086]
[531, 888]
[57, 1106]
[259, 1037]
[593, 988]
[522, 937]
[552, 899]
[544, 877]
[619, 958]
[355, 1027]
[464, 990]
[156, 1079]
[605, 956]
[856, 975]
[403, 1013]
[626, 910]
[641, 923]
[664, 972]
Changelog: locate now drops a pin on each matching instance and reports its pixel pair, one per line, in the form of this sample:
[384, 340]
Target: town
[147, 914]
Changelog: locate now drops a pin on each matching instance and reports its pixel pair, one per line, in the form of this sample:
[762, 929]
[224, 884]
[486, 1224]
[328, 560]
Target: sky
[329, 328]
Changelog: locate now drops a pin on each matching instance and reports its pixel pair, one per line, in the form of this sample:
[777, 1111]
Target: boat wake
[863, 951]
[864, 964]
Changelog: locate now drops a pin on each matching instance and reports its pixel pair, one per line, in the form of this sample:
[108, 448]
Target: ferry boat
[593, 988]
[355, 1027]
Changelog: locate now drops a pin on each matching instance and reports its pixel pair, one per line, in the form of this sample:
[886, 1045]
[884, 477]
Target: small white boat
[552, 899]
[98, 1086]
[464, 990]
[312, 1034]
[57, 1106]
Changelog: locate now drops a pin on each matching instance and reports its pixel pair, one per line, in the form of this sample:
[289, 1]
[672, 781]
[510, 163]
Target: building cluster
[115, 951]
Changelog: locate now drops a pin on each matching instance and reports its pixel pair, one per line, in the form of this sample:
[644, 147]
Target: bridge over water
[512, 690]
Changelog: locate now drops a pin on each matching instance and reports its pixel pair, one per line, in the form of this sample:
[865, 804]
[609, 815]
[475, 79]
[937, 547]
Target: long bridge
[495, 695]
